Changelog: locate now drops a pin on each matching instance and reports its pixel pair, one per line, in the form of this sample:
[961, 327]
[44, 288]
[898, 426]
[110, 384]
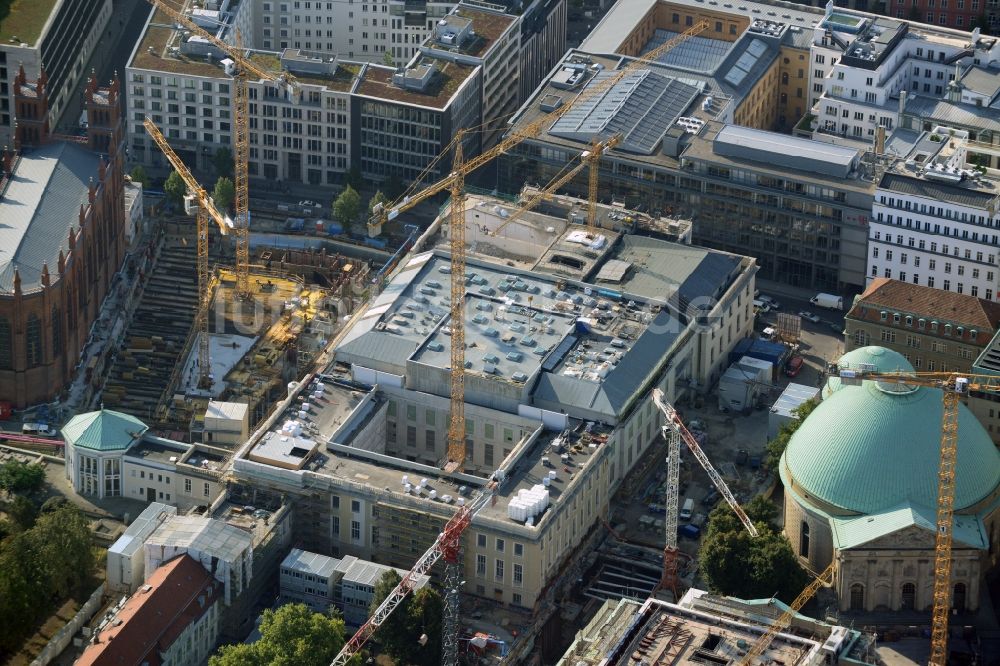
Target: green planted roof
[104, 430]
[868, 449]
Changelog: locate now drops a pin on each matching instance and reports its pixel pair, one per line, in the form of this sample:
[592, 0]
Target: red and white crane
[446, 546]
[675, 430]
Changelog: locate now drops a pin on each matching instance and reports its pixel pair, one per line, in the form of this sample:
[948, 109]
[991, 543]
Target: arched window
[6, 342]
[908, 597]
[804, 540]
[33, 340]
[857, 597]
[57, 331]
[958, 597]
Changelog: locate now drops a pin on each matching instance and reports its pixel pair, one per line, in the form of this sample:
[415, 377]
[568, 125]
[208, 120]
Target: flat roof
[135, 534]
[310, 563]
[25, 20]
[38, 207]
[784, 150]
[952, 113]
[487, 28]
[980, 196]
[160, 451]
[234, 411]
[202, 533]
[377, 83]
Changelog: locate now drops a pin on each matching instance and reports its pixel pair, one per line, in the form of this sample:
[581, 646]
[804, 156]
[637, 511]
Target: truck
[828, 301]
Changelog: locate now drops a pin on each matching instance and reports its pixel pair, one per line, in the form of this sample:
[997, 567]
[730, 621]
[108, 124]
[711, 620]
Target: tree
[224, 193]
[54, 503]
[222, 162]
[139, 175]
[17, 476]
[174, 188]
[23, 512]
[354, 178]
[347, 206]
[424, 619]
[388, 60]
[737, 564]
[776, 447]
[64, 541]
[292, 635]
[377, 198]
[394, 634]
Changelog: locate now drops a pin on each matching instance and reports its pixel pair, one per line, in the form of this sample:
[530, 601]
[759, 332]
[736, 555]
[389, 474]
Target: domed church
[860, 481]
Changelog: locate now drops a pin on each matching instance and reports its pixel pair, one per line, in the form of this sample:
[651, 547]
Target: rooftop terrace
[469, 30]
[444, 82]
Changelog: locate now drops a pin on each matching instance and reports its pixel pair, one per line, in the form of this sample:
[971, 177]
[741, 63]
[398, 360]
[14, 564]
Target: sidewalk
[778, 289]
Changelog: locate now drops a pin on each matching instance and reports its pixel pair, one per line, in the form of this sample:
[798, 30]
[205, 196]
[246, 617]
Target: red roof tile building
[172, 619]
[935, 330]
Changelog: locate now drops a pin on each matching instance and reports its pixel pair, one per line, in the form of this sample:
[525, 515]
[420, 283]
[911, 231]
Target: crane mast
[446, 545]
[669, 579]
[536, 128]
[244, 68]
[456, 419]
[674, 421]
[206, 209]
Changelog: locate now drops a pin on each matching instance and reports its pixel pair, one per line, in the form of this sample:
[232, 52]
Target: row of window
[498, 570]
[921, 244]
[946, 284]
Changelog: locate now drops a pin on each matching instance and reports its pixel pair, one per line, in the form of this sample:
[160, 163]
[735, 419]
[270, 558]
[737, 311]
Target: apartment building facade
[936, 332]
[59, 41]
[935, 222]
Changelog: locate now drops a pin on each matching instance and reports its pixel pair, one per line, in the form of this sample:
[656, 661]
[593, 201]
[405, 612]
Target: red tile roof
[177, 594]
[926, 302]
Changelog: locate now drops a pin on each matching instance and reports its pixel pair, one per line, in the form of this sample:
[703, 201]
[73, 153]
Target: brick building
[935, 330]
[62, 237]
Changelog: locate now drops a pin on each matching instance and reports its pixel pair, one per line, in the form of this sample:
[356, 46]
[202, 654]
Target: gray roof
[640, 107]
[783, 150]
[962, 196]
[202, 534]
[659, 269]
[701, 54]
[310, 563]
[38, 208]
[746, 62]
[985, 81]
[950, 113]
[617, 24]
[144, 524]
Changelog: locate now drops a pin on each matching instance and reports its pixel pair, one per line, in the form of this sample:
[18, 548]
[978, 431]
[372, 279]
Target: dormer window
[921, 323]
[934, 327]
[909, 321]
[947, 329]
[895, 317]
[885, 315]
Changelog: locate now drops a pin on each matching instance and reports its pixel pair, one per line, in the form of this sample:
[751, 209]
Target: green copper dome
[883, 360]
[865, 449]
[103, 430]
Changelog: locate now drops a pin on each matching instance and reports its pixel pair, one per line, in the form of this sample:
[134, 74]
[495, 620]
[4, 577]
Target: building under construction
[562, 351]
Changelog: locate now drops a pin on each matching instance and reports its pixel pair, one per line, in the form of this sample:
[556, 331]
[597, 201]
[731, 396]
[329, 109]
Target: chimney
[879, 141]
[902, 104]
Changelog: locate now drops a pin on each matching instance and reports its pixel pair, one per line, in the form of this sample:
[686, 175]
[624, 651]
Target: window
[335, 525]
[518, 550]
[33, 338]
[6, 352]
[429, 417]
[390, 408]
[430, 440]
[518, 575]
[208, 489]
[355, 530]
[411, 412]
[335, 501]
[187, 486]
[488, 455]
[908, 595]
[481, 540]
[488, 430]
[480, 565]
[508, 435]
[355, 506]
[498, 571]
[57, 331]
[804, 540]
[411, 435]
[857, 597]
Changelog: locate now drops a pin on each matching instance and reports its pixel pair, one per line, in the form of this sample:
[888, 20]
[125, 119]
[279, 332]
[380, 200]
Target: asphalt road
[111, 55]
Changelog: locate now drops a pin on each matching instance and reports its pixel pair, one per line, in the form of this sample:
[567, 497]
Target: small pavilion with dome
[860, 487]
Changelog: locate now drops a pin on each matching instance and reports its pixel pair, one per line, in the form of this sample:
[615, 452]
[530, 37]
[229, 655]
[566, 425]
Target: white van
[687, 509]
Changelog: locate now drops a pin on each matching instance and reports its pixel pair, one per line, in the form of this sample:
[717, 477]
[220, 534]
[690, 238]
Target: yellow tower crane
[206, 209]
[783, 622]
[953, 386]
[244, 67]
[456, 420]
[587, 158]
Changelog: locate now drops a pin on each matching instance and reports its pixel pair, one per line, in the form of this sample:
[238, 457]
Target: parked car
[689, 531]
[794, 366]
[773, 304]
[742, 456]
[805, 314]
[755, 462]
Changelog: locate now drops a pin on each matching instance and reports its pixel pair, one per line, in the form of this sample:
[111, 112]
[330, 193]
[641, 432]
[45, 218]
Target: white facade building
[936, 223]
[861, 67]
[126, 557]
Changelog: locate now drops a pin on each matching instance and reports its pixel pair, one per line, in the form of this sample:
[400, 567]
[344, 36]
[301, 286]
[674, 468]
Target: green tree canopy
[174, 188]
[347, 206]
[737, 564]
[222, 162]
[17, 476]
[777, 446]
[292, 635]
[418, 615]
[139, 175]
[23, 512]
[377, 198]
[224, 193]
